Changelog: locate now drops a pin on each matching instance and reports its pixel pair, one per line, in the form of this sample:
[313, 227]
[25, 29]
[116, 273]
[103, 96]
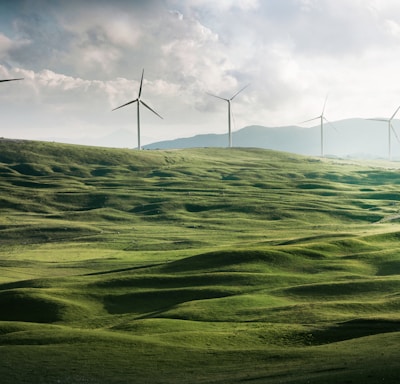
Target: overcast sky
[81, 59]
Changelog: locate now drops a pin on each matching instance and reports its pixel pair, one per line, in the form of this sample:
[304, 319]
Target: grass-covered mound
[203, 266]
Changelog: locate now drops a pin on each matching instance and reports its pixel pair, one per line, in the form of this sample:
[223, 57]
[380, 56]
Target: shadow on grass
[354, 329]
[158, 300]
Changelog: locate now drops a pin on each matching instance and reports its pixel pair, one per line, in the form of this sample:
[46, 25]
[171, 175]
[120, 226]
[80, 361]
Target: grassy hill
[202, 265]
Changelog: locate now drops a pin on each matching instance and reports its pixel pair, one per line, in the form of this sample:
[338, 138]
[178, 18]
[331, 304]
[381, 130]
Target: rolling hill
[205, 265]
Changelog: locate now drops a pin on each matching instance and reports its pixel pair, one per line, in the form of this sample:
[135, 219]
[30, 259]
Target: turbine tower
[139, 101]
[2, 81]
[322, 118]
[229, 111]
[390, 129]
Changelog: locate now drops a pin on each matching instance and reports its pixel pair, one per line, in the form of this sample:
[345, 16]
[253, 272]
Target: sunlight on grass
[202, 265]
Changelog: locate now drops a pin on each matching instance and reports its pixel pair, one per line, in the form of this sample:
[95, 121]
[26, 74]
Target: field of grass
[202, 266]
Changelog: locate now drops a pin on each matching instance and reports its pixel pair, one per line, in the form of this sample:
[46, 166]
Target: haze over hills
[355, 138]
[351, 137]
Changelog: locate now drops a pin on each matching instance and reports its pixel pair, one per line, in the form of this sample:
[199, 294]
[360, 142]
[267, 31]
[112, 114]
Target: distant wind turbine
[2, 81]
[390, 129]
[139, 101]
[322, 118]
[229, 111]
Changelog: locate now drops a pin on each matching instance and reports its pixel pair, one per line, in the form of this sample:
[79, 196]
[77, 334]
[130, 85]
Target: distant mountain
[351, 137]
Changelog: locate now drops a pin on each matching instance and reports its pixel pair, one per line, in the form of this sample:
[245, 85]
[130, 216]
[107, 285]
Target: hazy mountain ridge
[351, 137]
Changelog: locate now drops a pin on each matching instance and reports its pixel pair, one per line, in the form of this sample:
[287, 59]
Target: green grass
[202, 266]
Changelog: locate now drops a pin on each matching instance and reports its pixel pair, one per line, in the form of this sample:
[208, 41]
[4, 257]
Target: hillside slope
[78, 189]
[203, 265]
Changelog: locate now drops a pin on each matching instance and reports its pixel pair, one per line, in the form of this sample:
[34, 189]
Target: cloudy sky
[81, 59]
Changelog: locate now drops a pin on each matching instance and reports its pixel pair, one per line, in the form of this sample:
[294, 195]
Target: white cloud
[393, 28]
[5, 45]
[177, 14]
[222, 5]
[307, 5]
[194, 54]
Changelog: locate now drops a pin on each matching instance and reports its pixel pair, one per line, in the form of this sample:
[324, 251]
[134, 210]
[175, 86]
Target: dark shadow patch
[17, 305]
[159, 173]
[29, 169]
[148, 209]
[389, 268]
[101, 172]
[32, 184]
[227, 259]
[353, 329]
[315, 186]
[158, 300]
[230, 177]
[194, 208]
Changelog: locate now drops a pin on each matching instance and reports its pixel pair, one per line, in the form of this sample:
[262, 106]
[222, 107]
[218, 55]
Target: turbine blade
[395, 133]
[330, 123]
[384, 120]
[2, 81]
[323, 109]
[218, 97]
[141, 84]
[314, 118]
[394, 114]
[239, 92]
[124, 105]
[152, 110]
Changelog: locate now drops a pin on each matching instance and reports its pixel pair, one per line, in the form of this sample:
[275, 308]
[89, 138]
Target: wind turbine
[322, 118]
[229, 111]
[139, 101]
[390, 128]
[2, 81]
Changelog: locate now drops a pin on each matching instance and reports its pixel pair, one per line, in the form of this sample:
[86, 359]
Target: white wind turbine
[322, 118]
[139, 101]
[390, 129]
[229, 111]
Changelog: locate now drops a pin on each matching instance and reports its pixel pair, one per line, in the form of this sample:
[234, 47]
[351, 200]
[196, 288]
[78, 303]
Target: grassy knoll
[203, 266]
